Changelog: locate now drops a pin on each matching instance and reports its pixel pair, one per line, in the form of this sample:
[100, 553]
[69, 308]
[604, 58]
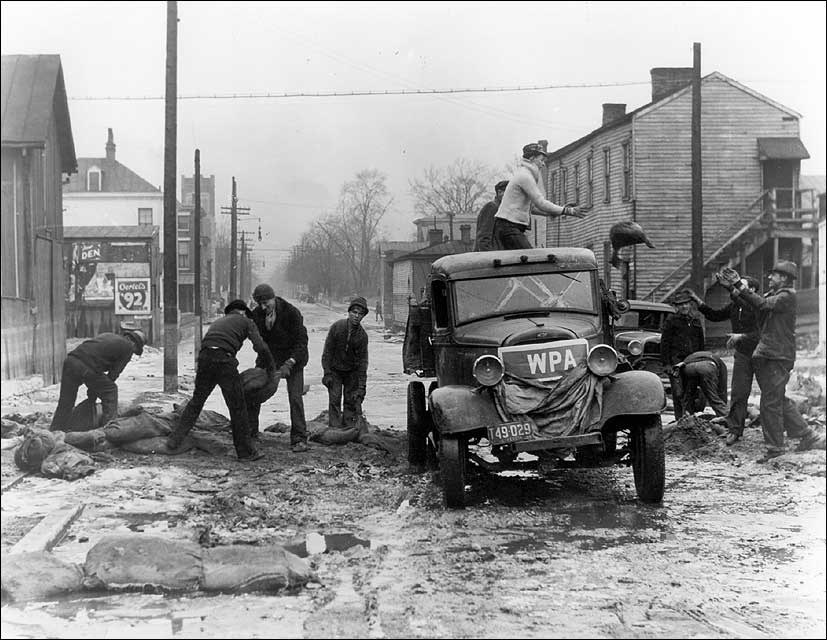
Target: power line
[350, 94]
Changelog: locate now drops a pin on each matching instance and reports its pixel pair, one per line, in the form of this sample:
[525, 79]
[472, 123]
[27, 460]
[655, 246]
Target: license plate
[509, 432]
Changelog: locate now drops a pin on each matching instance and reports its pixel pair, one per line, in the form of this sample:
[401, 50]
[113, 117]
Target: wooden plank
[46, 533]
[14, 481]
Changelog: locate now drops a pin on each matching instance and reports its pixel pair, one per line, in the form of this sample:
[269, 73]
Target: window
[93, 179]
[184, 223]
[183, 254]
[144, 215]
[552, 188]
[627, 170]
[607, 158]
[563, 187]
[589, 180]
[577, 183]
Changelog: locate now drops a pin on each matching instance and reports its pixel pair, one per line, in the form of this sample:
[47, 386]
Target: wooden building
[637, 166]
[37, 151]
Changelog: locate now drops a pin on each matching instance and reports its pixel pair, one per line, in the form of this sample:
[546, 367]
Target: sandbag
[207, 419]
[258, 386]
[156, 444]
[67, 463]
[94, 440]
[381, 442]
[332, 435]
[38, 575]
[245, 568]
[36, 446]
[143, 425]
[136, 561]
[11, 429]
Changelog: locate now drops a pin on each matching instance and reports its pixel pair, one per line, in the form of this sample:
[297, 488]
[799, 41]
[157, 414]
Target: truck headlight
[602, 360]
[488, 370]
[635, 347]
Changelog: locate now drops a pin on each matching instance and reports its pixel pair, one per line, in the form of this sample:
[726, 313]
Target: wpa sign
[132, 296]
[546, 361]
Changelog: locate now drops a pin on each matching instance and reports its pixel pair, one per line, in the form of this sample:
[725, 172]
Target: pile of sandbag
[363, 433]
[48, 453]
[140, 562]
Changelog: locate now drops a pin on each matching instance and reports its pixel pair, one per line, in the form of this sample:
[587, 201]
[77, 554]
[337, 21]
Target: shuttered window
[576, 184]
[590, 180]
[627, 170]
[607, 172]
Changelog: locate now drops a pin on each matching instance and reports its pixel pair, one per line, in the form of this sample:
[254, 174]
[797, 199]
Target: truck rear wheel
[453, 457]
[648, 463]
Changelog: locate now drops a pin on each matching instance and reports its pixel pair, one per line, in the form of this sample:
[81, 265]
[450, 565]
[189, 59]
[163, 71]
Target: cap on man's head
[238, 305]
[533, 149]
[681, 297]
[501, 185]
[263, 292]
[787, 268]
[359, 301]
[138, 337]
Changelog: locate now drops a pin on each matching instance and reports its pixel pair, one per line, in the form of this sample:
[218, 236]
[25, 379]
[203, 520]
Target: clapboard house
[637, 166]
[38, 150]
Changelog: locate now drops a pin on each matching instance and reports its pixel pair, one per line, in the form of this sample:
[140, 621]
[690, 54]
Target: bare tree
[457, 190]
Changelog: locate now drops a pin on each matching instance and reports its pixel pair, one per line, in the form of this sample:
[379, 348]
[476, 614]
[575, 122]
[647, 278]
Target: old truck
[520, 345]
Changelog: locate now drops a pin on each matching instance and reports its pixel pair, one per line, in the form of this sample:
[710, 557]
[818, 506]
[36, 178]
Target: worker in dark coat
[282, 327]
[97, 363]
[774, 357]
[682, 334]
[345, 366]
[706, 372]
[485, 220]
[744, 338]
[217, 365]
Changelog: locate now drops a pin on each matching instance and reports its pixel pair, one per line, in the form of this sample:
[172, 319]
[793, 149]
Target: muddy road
[737, 549]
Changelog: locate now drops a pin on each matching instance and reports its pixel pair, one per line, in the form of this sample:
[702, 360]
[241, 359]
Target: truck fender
[459, 408]
[632, 393]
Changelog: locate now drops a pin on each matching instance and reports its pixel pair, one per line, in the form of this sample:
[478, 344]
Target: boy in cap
[485, 220]
[217, 365]
[774, 357]
[522, 197]
[282, 327]
[682, 334]
[97, 363]
[345, 365]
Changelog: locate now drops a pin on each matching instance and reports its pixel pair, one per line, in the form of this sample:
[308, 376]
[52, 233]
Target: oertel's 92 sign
[132, 296]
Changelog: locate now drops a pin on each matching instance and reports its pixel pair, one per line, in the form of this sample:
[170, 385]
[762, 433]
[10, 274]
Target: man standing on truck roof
[523, 197]
[485, 220]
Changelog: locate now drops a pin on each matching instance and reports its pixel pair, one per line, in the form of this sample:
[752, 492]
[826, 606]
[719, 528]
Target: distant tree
[457, 190]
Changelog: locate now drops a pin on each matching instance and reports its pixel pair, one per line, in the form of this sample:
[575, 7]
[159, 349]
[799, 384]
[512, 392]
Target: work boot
[812, 440]
[256, 454]
[769, 455]
[732, 437]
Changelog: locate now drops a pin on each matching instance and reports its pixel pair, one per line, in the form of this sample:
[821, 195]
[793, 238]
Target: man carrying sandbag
[217, 365]
[345, 365]
[97, 363]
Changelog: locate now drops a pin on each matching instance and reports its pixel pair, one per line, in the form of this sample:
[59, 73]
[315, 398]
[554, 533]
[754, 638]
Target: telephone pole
[196, 232]
[170, 213]
[697, 177]
[234, 210]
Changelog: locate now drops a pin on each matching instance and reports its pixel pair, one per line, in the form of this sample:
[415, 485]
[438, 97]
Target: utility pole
[697, 176]
[196, 227]
[234, 210]
[170, 213]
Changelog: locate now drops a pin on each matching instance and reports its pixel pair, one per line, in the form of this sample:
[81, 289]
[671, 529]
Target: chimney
[543, 144]
[667, 80]
[110, 147]
[465, 232]
[613, 111]
[434, 237]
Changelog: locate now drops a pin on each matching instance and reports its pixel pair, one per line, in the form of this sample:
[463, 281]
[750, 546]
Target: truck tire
[417, 425]
[453, 457]
[648, 463]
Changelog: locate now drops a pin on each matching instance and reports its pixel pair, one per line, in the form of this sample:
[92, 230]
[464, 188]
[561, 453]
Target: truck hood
[500, 331]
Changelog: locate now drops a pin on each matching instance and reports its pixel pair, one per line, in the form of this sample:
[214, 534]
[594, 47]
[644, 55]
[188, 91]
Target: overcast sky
[290, 156]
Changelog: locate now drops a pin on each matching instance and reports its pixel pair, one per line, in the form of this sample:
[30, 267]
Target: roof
[32, 92]
[401, 246]
[115, 232]
[819, 183]
[116, 178]
[715, 75]
[782, 149]
[480, 263]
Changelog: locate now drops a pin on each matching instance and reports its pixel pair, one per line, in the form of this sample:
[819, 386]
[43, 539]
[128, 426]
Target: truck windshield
[569, 291]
